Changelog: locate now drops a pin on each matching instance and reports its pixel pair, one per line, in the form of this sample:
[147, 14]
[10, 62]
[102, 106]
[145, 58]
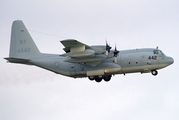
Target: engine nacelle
[85, 53]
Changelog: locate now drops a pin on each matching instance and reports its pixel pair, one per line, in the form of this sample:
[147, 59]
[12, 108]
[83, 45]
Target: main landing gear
[154, 72]
[100, 78]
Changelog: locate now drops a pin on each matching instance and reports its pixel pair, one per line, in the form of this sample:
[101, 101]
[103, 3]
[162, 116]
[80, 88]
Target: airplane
[97, 62]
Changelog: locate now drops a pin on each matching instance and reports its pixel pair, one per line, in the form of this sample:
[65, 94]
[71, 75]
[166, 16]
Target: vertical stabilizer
[22, 45]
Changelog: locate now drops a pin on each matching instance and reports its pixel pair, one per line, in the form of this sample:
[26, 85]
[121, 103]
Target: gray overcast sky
[31, 93]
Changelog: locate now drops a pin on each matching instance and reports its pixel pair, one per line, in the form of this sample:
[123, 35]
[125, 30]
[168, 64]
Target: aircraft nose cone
[170, 60]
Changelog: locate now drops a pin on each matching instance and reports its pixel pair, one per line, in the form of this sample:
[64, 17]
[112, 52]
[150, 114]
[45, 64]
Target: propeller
[107, 49]
[116, 52]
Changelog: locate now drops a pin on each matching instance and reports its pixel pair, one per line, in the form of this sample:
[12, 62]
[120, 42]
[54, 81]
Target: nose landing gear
[154, 72]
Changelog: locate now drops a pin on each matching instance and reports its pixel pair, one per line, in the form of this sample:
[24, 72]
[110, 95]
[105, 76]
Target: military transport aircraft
[80, 60]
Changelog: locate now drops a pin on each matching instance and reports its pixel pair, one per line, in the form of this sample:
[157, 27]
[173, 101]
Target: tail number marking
[24, 50]
[22, 42]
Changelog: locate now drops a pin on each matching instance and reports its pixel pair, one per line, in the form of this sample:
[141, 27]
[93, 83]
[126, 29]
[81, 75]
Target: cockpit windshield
[162, 53]
[158, 52]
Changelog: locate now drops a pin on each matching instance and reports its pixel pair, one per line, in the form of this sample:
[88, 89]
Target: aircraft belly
[103, 69]
[83, 70]
[139, 68]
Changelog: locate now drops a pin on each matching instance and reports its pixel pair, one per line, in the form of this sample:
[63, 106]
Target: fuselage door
[77, 70]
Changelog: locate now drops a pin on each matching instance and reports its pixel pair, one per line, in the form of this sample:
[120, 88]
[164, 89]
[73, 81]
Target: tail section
[22, 46]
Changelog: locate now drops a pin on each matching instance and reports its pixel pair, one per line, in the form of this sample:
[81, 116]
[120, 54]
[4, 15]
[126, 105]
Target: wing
[80, 53]
[76, 49]
[72, 45]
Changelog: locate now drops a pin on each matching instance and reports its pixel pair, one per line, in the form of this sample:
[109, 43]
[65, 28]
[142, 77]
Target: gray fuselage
[128, 61]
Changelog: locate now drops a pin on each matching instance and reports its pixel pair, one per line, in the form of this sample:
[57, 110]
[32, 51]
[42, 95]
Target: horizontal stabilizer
[18, 60]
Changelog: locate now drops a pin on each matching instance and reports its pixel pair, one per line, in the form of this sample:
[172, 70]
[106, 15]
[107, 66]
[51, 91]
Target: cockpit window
[162, 53]
[159, 52]
[156, 51]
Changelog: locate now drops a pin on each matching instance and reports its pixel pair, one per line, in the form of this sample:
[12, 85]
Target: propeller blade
[107, 48]
[116, 52]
